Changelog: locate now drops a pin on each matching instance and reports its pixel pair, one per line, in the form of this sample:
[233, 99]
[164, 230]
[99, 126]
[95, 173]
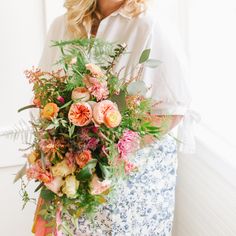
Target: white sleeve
[51, 54]
[167, 82]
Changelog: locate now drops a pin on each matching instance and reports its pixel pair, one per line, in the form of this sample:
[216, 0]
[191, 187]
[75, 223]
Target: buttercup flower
[94, 70]
[55, 185]
[98, 187]
[83, 158]
[112, 118]
[50, 111]
[70, 186]
[106, 112]
[80, 94]
[62, 169]
[80, 114]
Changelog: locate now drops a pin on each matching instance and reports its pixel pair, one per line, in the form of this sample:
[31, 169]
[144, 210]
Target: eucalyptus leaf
[137, 87]
[144, 56]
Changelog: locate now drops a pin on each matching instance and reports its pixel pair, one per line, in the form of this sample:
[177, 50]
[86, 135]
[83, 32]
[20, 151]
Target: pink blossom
[128, 143]
[129, 166]
[92, 144]
[61, 99]
[97, 87]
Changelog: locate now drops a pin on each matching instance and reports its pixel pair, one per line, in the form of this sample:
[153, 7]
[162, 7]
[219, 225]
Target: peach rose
[37, 102]
[112, 118]
[80, 94]
[80, 114]
[50, 111]
[55, 185]
[107, 112]
[62, 169]
[83, 158]
[94, 70]
[98, 187]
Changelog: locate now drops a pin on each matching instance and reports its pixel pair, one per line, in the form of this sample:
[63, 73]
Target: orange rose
[80, 114]
[50, 111]
[112, 118]
[80, 94]
[37, 102]
[83, 158]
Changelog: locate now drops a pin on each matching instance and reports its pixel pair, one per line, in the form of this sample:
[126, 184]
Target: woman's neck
[106, 7]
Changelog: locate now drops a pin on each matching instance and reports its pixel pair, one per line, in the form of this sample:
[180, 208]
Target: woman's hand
[165, 123]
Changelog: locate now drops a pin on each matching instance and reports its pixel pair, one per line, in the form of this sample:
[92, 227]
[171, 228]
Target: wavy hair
[82, 13]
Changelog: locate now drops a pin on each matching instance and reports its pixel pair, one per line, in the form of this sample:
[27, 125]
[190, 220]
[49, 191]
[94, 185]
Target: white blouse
[167, 82]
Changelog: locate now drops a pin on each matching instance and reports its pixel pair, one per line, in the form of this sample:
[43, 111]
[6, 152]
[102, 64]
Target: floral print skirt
[143, 205]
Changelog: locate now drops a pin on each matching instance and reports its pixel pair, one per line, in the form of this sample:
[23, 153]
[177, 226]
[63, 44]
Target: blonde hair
[82, 13]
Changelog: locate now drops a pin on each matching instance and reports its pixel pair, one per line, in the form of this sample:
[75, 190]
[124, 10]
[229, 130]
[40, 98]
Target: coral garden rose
[83, 158]
[99, 187]
[80, 94]
[80, 114]
[112, 118]
[50, 111]
[106, 112]
[94, 70]
[70, 186]
[62, 169]
[55, 185]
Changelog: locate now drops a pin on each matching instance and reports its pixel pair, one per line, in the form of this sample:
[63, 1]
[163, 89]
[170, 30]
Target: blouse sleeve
[51, 54]
[167, 83]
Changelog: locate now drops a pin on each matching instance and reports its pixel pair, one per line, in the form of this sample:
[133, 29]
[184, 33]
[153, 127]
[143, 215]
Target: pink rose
[80, 94]
[55, 185]
[94, 70]
[80, 114]
[99, 187]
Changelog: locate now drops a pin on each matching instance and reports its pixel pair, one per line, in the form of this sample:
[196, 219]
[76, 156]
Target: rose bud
[61, 99]
[80, 94]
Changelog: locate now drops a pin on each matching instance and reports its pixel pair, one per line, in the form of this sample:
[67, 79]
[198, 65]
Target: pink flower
[92, 144]
[97, 87]
[61, 99]
[98, 187]
[129, 142]
[80, 114]
[129, 166]
[55, 185]
[94, 70]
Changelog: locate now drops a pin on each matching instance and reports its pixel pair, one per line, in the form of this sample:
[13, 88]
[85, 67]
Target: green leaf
[152, 63]
[106, 172]
[87, 172]
[66, 105]
[47, 194]
[20, 174]
[145, 56]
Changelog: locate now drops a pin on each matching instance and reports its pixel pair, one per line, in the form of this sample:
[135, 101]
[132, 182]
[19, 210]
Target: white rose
[70, 186]
[62, 169]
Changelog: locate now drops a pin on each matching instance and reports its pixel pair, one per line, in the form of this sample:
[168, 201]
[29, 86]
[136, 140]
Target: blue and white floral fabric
[143, 204]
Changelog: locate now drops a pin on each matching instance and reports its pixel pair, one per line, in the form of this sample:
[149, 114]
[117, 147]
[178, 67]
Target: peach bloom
[73, 61]
[101, 108]
[50, 111]
[32, 157]
[70, 186]
[80, 114]
[83, 158]
[37, 102]
[94, 70]
[99, 187]
[112, 118]
[80, 94]
[55, 185]
[62, 169]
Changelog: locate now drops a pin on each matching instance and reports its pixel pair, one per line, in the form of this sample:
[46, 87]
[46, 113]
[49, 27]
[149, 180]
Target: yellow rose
[70, 186]
[62, 169]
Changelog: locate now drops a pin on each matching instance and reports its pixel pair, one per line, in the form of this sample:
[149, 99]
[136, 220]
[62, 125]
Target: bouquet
[91, 121]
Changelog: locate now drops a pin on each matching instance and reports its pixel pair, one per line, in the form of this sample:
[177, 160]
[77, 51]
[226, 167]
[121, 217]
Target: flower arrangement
[90, 123]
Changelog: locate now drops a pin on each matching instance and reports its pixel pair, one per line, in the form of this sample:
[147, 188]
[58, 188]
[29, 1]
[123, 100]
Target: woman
[145, 203]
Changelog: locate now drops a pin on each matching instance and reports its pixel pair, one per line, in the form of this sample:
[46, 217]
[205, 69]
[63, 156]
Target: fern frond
[21, 131]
